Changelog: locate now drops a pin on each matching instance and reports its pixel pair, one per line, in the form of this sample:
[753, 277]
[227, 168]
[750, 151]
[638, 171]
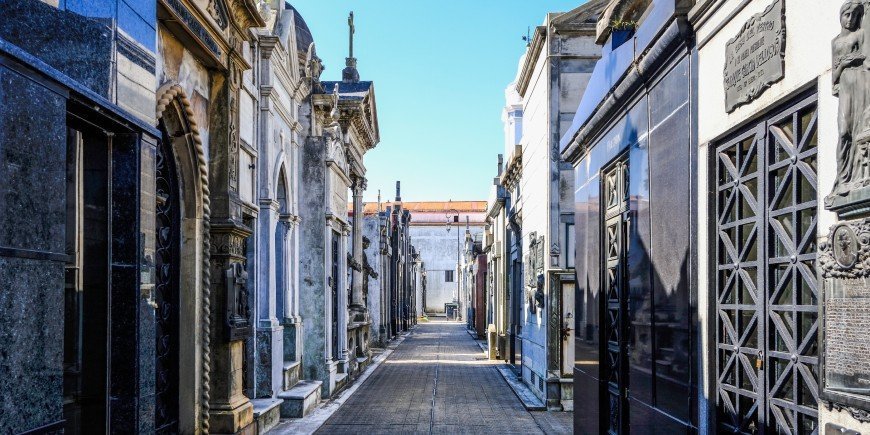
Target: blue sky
[440, 70]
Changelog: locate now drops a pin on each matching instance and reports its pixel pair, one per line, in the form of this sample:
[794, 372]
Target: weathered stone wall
[372, 231]
[312, 259]
[177, 64]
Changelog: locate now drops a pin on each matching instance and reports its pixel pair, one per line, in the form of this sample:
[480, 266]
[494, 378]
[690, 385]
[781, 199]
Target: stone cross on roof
[352, 31]
[350, 74]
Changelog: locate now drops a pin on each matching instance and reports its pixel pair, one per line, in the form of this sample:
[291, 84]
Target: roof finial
[350, 74]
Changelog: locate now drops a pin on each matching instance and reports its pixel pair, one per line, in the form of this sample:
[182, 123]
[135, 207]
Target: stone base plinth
[236, 420]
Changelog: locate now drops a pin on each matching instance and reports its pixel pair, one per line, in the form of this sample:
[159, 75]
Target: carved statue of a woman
[852, 86]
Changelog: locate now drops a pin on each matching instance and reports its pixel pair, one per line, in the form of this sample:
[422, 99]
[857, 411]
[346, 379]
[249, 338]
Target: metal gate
[615, 327]
[767, 314]
[166, 291]
[333, 284]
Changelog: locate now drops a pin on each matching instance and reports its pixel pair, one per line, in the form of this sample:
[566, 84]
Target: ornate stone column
[231, 411]
[357, 307]
[292, 321]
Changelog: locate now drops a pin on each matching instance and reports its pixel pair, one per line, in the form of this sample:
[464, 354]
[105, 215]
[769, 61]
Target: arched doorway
[281, 252]
[182, 281]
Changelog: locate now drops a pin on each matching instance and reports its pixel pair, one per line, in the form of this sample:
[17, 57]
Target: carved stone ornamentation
[228, 244]
[858, 414]
[234, 158]
[238, 314]
[846, 252]
[851, 79]
[535, 272]
[218, 11]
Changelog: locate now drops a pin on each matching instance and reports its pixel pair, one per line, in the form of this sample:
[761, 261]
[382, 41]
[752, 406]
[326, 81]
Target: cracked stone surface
[438, 382]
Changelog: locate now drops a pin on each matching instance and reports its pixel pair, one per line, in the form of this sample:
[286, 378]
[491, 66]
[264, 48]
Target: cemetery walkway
[438, 382]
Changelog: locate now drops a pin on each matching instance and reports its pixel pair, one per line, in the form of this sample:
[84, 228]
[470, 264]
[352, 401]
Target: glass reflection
[669, 210]
[640, 304]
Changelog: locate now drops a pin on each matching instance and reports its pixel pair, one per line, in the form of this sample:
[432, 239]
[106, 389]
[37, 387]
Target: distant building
[395, 273]
[438, 233]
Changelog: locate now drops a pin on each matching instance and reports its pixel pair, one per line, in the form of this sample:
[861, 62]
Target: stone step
[267, 414]
[292, 374]
[300, 400]
[341, 380]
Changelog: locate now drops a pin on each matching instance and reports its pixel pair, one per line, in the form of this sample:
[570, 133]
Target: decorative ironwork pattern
[166, 95]
[766, 287]
[615, 330]
[166, 293]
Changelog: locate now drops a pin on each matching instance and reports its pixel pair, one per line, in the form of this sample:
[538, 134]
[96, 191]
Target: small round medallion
[845, 246]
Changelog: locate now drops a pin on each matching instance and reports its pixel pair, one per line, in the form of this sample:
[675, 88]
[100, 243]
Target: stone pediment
[582, 17]
[358, 109]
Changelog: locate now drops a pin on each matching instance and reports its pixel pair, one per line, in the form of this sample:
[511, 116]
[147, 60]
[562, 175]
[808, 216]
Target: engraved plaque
[754, 59]
[847, 335]
[844, 262]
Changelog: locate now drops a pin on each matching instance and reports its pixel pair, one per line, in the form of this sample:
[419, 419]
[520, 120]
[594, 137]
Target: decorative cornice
[514, 168]
[267, 45]
[531, 59]
[245, 15]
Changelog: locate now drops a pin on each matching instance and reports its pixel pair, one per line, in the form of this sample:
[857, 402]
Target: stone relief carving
[227, 244]
[858, 414]
[238, 311]
[218, 11]
[846, 252]
[851, 80]
[535, 272]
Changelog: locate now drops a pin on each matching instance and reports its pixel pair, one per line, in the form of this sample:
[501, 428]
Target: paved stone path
[438, 382]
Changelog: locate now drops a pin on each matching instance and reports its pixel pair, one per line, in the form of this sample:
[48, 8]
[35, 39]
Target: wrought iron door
[333, 283]
[615, 327]
[767, 313]
[166, 292]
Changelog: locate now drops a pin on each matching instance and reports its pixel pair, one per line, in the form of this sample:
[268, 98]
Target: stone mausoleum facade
[720, 218]
[195, 175]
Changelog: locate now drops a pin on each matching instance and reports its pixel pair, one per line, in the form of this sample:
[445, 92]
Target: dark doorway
[517, 285]
[86, 317]
[333, 283]
[615, 328]
[166, 290]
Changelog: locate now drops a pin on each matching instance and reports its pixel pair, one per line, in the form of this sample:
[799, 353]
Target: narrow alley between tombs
[437, 381]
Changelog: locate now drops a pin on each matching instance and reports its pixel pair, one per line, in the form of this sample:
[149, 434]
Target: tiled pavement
[438, 382]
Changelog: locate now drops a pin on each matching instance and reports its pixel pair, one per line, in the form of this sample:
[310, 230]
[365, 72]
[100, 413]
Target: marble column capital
[360, 184]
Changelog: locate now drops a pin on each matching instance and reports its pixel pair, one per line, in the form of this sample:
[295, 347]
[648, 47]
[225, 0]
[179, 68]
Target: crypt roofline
[532, 54]
[578, 21]
[582, 19]
[513, 169]
[355, 111]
